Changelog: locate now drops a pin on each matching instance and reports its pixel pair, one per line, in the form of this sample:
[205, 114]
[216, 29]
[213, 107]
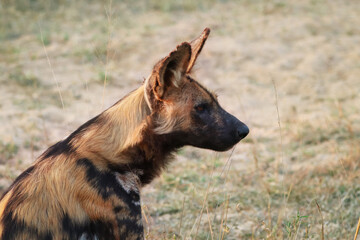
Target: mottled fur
[88, 185]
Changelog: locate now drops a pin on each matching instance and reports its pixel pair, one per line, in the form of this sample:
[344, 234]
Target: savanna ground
[288, 69]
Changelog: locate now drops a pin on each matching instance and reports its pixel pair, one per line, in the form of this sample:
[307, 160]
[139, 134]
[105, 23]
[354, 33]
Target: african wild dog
[88, 185]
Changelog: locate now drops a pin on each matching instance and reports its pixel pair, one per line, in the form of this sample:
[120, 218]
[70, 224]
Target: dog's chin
[219, 147]
[224, 148]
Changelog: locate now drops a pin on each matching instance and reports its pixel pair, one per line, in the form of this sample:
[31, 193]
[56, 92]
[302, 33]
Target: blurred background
[288, 69]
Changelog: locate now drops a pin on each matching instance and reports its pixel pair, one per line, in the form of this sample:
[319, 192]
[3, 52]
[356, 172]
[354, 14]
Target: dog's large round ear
[196, 47]
[169, 72]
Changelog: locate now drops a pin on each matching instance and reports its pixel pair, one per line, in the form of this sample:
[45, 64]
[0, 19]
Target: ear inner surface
[196, 47]
[172, 68]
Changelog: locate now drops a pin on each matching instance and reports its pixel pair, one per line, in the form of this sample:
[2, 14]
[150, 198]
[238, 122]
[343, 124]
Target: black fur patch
[106, 184]
[117, 209]
[131, 227]
[149, 169]
[73, 230]
[101, 229]
[15, 228]
[62, 147]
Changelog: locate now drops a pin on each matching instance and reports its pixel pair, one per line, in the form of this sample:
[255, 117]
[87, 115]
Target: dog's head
[182, 107]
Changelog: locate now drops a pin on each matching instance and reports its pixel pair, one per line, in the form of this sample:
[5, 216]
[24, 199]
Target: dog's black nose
[242, 131]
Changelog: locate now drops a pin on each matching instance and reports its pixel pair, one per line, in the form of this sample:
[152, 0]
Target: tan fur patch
[122, 129]
[3, 204]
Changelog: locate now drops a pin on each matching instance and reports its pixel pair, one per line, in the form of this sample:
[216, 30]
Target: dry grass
[295, 177]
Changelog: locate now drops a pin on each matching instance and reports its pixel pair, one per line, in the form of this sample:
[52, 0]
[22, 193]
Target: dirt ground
[288, 69]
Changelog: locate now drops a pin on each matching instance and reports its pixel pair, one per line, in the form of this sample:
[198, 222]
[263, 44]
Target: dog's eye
[200, 107]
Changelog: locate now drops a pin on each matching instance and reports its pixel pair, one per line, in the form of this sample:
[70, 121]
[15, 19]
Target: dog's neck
[146, 159]
[122, 139]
